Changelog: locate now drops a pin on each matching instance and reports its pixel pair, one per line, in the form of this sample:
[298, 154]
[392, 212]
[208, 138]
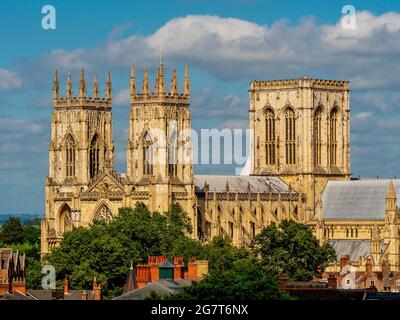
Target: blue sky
[227, 43]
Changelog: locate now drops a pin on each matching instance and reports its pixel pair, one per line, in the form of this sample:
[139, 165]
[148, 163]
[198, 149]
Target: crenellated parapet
[82, 100]
[160, 94]
[302, 82]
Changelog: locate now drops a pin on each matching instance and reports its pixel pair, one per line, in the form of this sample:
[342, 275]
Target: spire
[132, 85]
[174, 83]
[82, 84]
[186, 87]
[56, 86]
[131, 283]
[145, 86]
[390, 197]
[108, 86]
[95, 86]
[390, 193]
[69, 86]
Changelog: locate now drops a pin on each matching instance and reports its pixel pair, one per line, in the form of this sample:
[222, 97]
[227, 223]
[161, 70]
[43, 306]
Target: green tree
[247, 279]
[32, 233]
[294, 249]
[221, 254]
[105, 250]
[12, 231]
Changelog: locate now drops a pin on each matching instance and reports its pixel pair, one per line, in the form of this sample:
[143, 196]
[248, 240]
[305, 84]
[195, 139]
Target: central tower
[159, 147]
[301, 133]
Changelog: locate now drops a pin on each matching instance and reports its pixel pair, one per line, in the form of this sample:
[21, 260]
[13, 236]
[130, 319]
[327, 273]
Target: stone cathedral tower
[159, 165]
[301, 133]
[81, 148]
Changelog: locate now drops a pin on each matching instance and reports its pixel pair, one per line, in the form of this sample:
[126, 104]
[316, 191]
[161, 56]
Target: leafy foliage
[24, 238]
[12, 231]
[105, 250]
[294, 249]
[247, 279]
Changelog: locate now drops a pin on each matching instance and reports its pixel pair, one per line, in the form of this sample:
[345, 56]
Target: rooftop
[357, 199]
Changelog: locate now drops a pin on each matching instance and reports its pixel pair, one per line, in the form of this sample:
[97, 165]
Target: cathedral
[299, 167]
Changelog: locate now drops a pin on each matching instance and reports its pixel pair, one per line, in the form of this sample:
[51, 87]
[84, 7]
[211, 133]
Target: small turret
[161, 80]
[95, 86]
[69, 87]
[390, 197]
[108, 86]
[186, 88]
[132, 84]
[145, 86]
[56, 86]
[82, 84]
[174, 84]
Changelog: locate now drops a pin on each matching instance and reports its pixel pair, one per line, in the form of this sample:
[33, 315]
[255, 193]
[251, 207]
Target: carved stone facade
[82, 185]
[301, 133]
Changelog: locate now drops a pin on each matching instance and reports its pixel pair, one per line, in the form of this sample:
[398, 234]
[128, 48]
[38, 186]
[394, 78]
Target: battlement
[160, 94]
[82, 99]
[302, 82]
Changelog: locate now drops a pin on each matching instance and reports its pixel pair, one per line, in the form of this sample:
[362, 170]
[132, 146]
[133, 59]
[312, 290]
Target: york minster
[300, 166]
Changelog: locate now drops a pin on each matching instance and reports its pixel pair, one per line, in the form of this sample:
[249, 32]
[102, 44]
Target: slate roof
[355, 249]
[48, 294]
[357, 200]
[240, 183]
[162, 287]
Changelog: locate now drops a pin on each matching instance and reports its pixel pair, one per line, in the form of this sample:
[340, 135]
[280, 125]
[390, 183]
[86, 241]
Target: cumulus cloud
[231, 48]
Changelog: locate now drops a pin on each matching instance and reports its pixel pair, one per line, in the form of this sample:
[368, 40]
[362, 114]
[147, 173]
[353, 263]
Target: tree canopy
[294, 249]
[105, 250]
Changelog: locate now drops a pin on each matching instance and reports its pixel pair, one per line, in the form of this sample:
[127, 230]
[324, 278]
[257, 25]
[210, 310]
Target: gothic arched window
[103, 214]
[269, 137]
[147, 154]
[318, 137]
[333, 123]
[290, 136]
[94, 156]
[172, 155]
[70, 156]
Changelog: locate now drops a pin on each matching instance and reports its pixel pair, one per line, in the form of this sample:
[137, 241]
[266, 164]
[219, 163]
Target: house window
[348, 281]
[372, 283]
[398, 282]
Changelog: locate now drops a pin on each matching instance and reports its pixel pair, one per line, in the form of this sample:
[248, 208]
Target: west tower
[81, 149]
[159, 152]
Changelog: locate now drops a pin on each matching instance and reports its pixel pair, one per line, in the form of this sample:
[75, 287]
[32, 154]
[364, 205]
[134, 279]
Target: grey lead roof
[355, 249]
[357, 200]
[240, 183]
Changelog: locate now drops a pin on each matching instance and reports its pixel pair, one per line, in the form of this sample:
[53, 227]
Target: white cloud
[231, 48]
[9, 80]
[122, 98]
